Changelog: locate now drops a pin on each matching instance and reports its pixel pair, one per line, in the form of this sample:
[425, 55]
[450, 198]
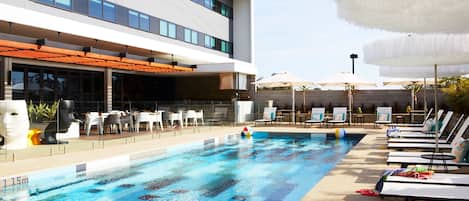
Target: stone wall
[367, 99]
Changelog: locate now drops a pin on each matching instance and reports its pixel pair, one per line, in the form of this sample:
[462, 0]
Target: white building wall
[243, 29]
[185, 13]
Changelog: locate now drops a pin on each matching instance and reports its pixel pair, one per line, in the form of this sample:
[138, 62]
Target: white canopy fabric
[284, 79]
[346, 80]
[422, 72]
[419, 50]
[407, 16]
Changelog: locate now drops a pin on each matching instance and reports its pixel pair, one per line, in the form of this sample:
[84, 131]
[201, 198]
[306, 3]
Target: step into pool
[264, 166]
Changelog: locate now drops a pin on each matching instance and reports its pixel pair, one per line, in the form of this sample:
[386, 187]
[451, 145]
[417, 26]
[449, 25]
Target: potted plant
[41, 114]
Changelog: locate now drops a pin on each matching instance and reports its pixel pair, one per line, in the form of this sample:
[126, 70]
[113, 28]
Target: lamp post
[353, 56]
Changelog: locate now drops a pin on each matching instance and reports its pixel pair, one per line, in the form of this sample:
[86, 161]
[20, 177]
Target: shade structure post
[350, 104]
[293, 104]
[435, 90]
[412, 103]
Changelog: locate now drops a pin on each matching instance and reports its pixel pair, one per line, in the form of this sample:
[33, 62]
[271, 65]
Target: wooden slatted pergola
[61, 55]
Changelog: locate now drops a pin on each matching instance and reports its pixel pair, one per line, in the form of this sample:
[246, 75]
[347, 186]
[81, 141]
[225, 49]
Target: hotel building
[107, 54]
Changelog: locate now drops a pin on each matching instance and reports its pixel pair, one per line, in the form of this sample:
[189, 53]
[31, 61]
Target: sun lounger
[268, 115]
[429, 113]
[424, 139]
[425, 191]
[419, 128]
[383, 115]
[339, 115]
[317, 116]
[461, 131]
[424, 132]
[406, 161]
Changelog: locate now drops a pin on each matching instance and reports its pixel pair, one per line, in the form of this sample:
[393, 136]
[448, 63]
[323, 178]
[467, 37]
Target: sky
[308, 39]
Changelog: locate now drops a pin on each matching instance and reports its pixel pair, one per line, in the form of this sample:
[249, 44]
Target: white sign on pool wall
[244, 111]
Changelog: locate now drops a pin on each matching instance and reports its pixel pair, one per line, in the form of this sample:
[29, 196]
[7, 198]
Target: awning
[46, 53]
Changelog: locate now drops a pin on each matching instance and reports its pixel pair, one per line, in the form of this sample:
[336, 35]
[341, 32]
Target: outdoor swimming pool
[266, 166]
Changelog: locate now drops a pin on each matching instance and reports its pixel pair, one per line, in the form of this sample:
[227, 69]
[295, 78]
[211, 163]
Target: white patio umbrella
[418, 75]
[395, 81]
[407, 16]
[346, 80]
[420, 51]
[284, 79]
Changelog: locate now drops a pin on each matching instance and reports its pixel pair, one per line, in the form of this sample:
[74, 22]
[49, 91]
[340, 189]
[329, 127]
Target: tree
[457, 91]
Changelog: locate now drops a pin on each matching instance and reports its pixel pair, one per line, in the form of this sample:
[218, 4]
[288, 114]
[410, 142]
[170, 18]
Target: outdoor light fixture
[353, 56]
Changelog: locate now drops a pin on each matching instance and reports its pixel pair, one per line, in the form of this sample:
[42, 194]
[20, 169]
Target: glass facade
[171, 30]
[216, 6]
[191, 36]
[66, 4]
[144, 22]
[133, 19]
[96, 8]
[105, 10]
[43, 84]
[109, 11]
[163, 28]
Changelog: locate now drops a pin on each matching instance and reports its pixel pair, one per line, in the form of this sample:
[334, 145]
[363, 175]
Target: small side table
[438, 156]
[360, 119]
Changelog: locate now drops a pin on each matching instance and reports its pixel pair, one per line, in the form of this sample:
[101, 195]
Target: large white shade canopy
[407, 16]
[422, 71]
[419, 50]
[395, 81]
[284, 79]
[345, 79]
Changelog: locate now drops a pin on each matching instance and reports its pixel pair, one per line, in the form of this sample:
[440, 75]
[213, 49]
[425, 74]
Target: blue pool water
[267, 166]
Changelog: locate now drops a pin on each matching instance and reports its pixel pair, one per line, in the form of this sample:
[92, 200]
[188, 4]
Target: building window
[133, 19]
[209, 42]
[109, 11]
[209, 4]
[51, 2]
[66, 4]
[163, 28]
[195, 37]
[171, 30]
[96, 8]
[187, 35]
[191, 36]
[103, 10]
[225, 10]
[144, 22]
[225, 47]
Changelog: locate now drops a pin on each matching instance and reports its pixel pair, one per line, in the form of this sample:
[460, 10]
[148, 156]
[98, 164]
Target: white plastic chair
[175, 116]
[158, 119]
[191, 114]
[144, 117]
[93, 119]
[383, 115]
[200, 115]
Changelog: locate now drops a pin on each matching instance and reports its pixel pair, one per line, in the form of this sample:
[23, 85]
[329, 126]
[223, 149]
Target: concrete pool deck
[359, 169]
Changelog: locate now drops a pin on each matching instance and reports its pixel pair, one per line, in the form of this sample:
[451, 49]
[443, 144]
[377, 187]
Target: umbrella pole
[293, 104]
[412, 103]
[435, 90]
[425, 109]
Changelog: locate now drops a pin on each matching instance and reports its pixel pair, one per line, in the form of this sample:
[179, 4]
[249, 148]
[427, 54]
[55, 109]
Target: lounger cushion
[460, 149]
[382, 117]
[316, 117]
[338, 117]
